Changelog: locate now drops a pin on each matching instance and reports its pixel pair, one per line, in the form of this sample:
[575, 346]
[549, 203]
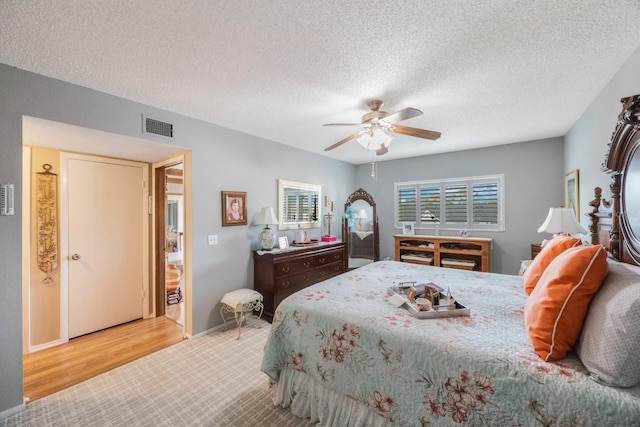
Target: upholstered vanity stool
[240, 303]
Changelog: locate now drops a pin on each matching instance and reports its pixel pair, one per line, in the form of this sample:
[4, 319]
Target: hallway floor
[56, 368]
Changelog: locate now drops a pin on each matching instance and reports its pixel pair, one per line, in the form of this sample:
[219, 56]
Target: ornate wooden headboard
[622, 162]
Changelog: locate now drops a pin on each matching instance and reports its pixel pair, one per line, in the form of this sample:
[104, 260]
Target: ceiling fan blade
[401, 115]
[341, 124]
[342, 141]
[418, 133]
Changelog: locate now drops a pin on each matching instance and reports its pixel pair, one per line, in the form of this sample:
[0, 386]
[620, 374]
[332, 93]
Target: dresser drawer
[327, 258]
[298, 281]
[294, 266]
[292, 284]
[324, 272]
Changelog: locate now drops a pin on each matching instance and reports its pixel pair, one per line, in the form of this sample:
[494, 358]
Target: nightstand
[535, 249]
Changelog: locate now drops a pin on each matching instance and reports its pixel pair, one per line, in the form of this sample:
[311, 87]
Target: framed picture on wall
[572, 192]
[234, 208]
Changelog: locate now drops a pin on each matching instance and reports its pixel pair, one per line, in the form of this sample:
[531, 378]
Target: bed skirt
[311, 400]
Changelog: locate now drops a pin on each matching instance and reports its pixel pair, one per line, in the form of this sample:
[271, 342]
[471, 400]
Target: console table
[279, 273]
[456, 252]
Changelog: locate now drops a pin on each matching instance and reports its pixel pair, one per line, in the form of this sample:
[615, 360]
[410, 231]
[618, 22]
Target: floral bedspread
[481, 369]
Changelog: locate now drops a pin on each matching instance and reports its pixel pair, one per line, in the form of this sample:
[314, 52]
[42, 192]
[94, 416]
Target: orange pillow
[555, 247]
[557, 306]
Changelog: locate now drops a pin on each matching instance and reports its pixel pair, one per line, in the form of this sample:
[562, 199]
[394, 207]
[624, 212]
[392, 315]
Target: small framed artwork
[283, 242]
[407, 228]
[572, 192]
[234, 208]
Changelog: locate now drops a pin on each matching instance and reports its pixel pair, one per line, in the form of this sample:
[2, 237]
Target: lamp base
[267, 239]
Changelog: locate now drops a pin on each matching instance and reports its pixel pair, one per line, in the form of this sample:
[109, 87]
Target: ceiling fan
[377, 125]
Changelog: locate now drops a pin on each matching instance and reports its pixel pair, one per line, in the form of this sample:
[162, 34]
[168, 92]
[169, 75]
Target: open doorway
[170, 240]
[43, 323]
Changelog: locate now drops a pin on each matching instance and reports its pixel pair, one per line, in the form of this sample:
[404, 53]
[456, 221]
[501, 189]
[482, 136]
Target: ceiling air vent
[157, 127]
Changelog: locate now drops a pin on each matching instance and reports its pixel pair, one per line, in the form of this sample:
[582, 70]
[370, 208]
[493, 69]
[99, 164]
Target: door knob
[75, 257]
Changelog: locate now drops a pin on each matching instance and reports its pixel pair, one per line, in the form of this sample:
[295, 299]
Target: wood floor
[54, 369]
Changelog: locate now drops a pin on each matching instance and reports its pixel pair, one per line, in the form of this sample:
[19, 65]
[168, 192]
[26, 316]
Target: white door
[106, 243]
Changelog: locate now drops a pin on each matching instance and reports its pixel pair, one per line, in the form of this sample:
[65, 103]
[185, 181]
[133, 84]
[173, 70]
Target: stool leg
[224, 319]
[261, 309]
[239, 317]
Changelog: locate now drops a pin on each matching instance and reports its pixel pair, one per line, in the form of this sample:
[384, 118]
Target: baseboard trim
[206, 332]
[11, 411]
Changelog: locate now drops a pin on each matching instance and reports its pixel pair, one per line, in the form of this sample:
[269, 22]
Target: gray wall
[586, 143]
[223, 160]
[534, 181]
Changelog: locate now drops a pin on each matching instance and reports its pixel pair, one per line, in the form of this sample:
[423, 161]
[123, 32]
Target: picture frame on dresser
[408, 228]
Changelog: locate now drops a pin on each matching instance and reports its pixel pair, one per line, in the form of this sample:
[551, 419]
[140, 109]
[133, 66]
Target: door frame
[64, 236]
[158, 236]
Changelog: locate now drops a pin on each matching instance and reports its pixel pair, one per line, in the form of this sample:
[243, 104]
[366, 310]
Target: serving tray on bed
[437, 312]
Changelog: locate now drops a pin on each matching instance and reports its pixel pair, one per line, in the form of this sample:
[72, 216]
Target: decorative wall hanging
[47, 194]
[572, 192]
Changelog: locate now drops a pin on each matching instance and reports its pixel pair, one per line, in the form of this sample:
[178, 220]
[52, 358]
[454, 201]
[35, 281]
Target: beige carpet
[214, 380]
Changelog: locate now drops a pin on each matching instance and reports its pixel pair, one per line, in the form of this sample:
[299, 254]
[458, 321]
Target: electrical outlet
[213, 239]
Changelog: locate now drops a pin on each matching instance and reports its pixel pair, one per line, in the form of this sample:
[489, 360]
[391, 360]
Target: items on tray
[426, 300]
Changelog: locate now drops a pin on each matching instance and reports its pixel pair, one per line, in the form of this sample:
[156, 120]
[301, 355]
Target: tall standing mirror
[360, 229]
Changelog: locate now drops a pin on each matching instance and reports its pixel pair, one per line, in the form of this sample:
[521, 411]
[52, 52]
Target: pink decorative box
[328, 238]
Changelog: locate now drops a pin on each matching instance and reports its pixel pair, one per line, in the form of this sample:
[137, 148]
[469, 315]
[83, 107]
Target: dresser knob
[285, 284]
[307, 264]
[321, 260]
[285, 269]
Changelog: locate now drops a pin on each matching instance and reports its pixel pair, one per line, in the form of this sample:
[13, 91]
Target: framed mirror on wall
[298, 205]
[360, 230]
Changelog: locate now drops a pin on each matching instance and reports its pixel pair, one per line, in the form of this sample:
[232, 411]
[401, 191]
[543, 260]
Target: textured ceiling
[484, 72]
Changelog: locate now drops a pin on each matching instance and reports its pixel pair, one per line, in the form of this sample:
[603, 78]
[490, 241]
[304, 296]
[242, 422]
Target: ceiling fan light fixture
[375, 139]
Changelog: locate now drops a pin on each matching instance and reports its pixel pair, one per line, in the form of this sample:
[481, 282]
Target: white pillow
[609, 345]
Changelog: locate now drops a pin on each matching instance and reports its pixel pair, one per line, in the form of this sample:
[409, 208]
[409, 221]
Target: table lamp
[561, 220]
[267, 237]
[362, 215]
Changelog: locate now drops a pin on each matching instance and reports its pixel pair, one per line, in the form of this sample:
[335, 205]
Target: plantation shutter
[485, 203]
[304, 207]
[290, 208]
[314, 203]
[407, 204]
[455, 204]
[472, 203]
[430, 204]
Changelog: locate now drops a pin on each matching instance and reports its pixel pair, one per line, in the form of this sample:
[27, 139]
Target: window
[472, 203]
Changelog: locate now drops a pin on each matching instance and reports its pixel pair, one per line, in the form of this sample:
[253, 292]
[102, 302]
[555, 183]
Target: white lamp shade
[561, 220]
[267, 216]
[374, 139]
[362, 214]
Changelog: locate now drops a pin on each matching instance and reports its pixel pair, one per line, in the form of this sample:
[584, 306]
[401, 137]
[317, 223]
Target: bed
[339, 353]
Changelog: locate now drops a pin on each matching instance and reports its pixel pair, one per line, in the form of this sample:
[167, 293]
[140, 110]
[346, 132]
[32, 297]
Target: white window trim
[499, 178]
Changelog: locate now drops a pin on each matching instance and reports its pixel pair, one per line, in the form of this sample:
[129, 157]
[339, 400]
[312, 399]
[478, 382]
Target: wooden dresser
[280, 273]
